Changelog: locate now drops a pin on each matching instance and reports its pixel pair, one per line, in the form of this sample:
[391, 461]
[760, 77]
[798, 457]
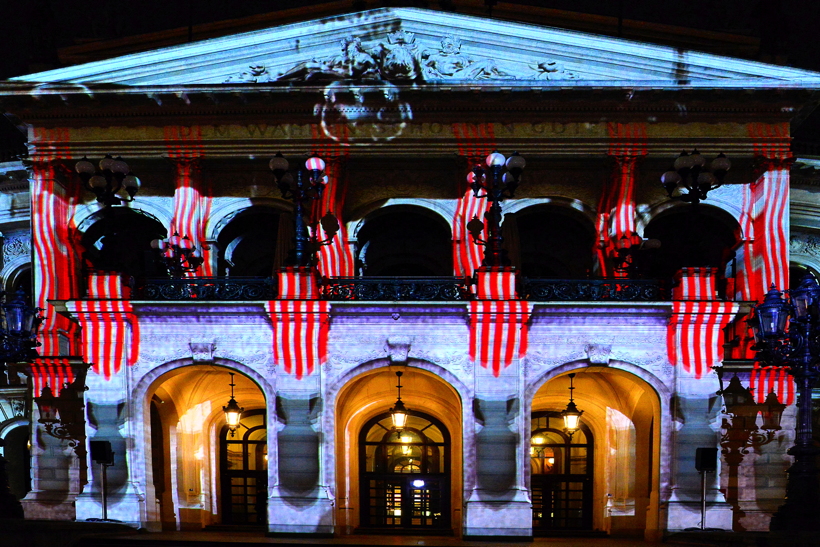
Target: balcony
[391, 289]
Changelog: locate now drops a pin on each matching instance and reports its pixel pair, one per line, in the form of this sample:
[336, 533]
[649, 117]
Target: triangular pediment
[416, 46]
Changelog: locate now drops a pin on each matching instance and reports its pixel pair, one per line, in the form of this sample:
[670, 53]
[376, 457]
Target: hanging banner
[300, 332]
[498, 332]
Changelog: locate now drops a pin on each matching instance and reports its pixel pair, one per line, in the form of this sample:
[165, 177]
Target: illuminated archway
[186, 442]
[623, 415]
[360, 404]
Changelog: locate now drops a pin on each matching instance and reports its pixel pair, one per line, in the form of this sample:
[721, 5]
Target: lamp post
[689, 172]
[498, 180]
[179, 254]
[112, 183]
[798, 349]
[19, 324]
[306, 186]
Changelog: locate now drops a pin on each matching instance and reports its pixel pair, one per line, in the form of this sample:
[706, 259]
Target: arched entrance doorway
[368, 449]
[243, 470]
[610, 470]
[194, 460]
[405, 474]
[562, 475]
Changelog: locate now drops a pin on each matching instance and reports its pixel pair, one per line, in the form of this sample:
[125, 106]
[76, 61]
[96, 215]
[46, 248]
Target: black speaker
[101, 452]
[706, 459]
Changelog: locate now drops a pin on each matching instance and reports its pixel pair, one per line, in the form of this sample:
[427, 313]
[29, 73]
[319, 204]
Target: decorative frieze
[15, 246]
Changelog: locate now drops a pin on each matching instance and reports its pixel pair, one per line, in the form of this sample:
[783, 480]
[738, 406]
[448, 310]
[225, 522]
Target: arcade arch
[622, 417]
[361, 407]
[192, 462]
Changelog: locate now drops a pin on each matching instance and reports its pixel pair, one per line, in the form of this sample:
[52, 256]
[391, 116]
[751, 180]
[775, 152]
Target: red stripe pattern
[695, 337]
[192, 199]
[498, 332]
[110, 331]
[335, 259]
[55, 258]
[695, 284]
[616, 208]
[300, 333]
[53, 372]
[475, 142]
[298, 284]
[495, 284]
[765, 380]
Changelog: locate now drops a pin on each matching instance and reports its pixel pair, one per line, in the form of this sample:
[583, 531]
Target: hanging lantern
[399, 412]
[571, 415]
[233, 412]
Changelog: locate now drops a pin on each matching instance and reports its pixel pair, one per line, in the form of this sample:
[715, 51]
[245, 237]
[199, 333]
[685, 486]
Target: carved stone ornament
[598, 354]
[202, 351]
[15, 246]
[397, 348]
[18, 407]
[399, 57]
[802, 243]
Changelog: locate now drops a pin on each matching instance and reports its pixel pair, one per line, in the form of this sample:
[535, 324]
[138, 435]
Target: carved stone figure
[552, 70]
[449, 63]
[398, 58]
[255, 74]
[355, 63]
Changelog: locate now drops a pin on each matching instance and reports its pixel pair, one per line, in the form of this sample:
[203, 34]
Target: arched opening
[243, 460]
[18, 461]
[612, 483]
[550, 241]
[404, 473]
[119, 240]
[404, 481]
[194, 461]
[254, 243]
[690, 236]
[797, 272]
[562, 471]
[405, 240]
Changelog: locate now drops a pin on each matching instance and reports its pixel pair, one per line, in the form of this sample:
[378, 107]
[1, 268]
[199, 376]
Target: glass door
[244, 471]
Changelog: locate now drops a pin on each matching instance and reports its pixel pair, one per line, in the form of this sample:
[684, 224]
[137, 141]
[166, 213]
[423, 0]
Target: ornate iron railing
[621, 290]
[206, 288]
[396, 288]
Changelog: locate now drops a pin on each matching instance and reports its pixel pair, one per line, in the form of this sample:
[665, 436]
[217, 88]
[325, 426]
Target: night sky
[34, 30]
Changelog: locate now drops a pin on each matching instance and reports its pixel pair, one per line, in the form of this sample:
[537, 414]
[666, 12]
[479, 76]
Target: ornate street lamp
[19, 324]
[797, 348]
[304, 187]
[689, 172]
[179, 254]
[498, 180]
[233, 412]
[112, 183]
[571, 414]
[399, 412]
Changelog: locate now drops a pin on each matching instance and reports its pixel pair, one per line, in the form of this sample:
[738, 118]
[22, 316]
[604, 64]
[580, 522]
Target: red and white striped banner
[335, 259]
[765, 380]
[616, 208]
[763, 258]
[300, 331]
[110, 334]
[495, 284]
[192, 207]
[695, 334]
[106, 286]
[55, 255]
[298, 284]
[475, 142]
[695, 284]
[54, 372]
[498, 332]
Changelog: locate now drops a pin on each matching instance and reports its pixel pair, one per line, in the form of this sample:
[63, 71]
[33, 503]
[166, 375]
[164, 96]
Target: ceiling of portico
[407, 45]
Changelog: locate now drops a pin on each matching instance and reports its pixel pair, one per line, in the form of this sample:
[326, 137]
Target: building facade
[610, 283]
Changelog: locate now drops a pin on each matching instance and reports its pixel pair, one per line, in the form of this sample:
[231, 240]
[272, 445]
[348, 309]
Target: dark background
[32, 31]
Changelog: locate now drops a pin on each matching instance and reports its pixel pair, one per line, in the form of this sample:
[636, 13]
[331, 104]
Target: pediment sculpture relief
[401, 59]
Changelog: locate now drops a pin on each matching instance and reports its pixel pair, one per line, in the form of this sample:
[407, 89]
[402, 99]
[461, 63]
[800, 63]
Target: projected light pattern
[110, 335]
[300, 334]
[616, 208]
[695, 334]
[53, 372]
[475, 142]
[777, 380]
[498, 333]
